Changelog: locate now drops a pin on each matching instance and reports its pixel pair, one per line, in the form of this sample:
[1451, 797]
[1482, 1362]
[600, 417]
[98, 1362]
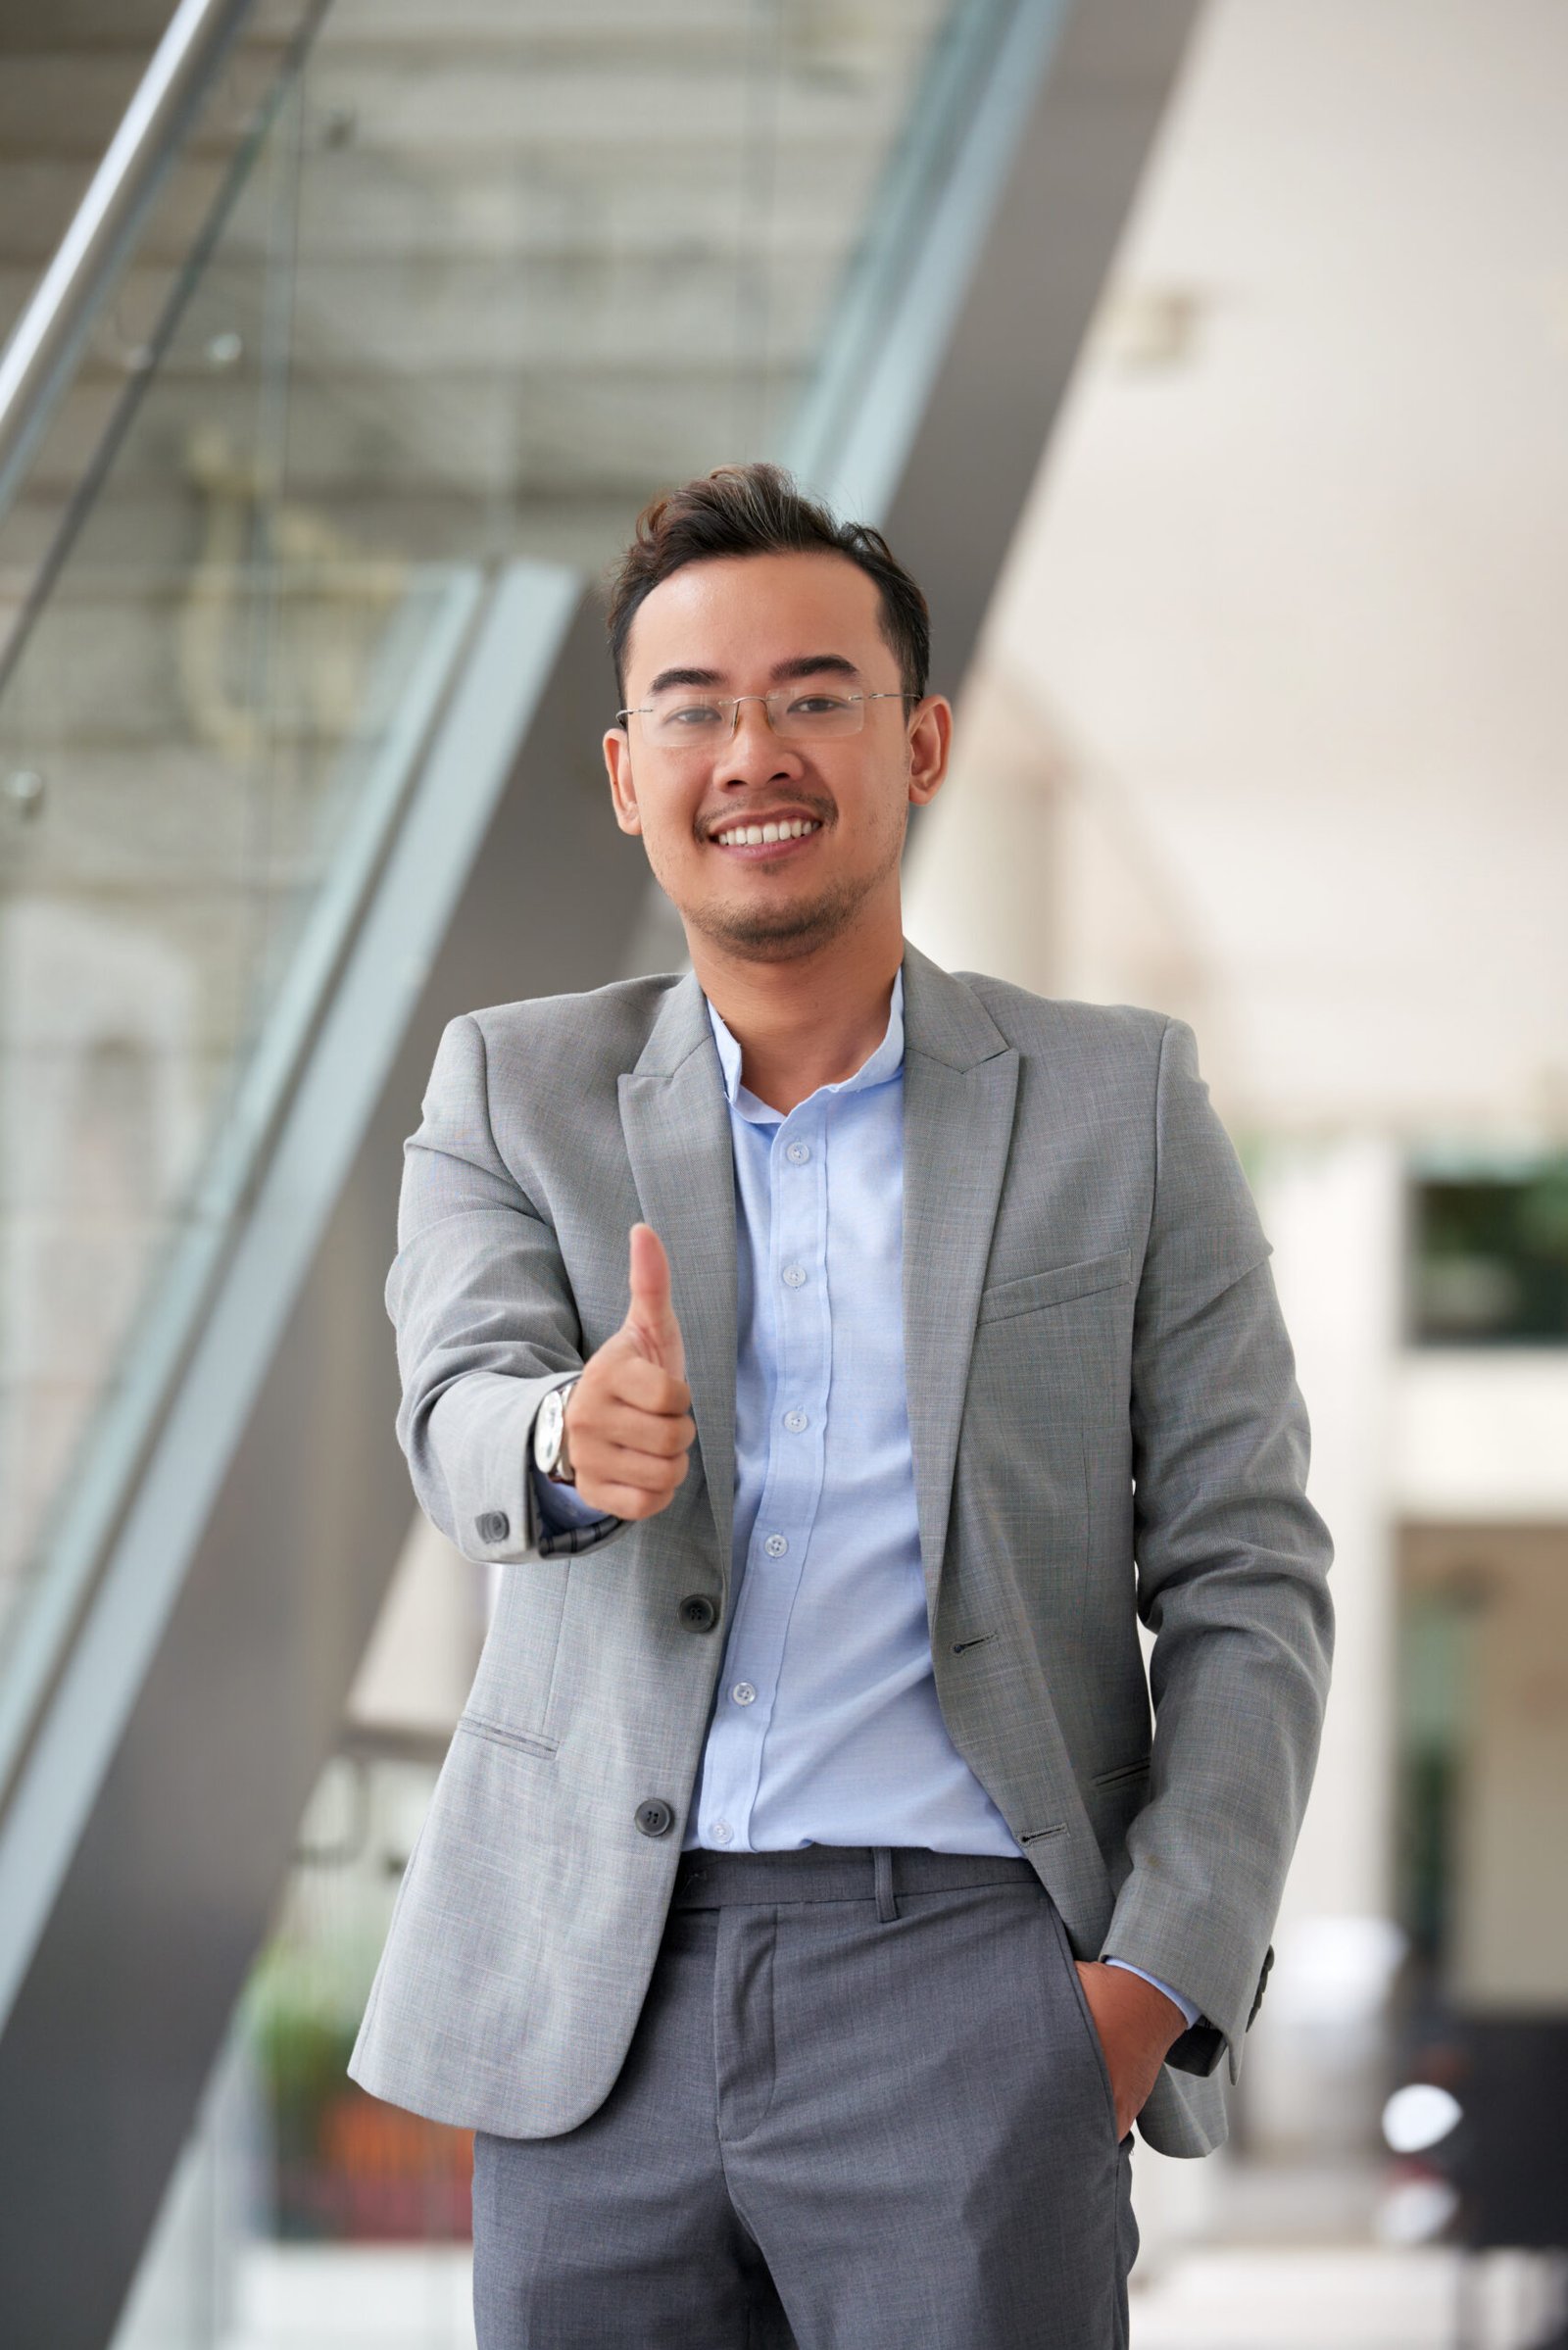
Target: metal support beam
[1030, 302]
[972, 355]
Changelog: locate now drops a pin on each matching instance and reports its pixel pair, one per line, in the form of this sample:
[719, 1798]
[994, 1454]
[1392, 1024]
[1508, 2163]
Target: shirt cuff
[1190, 2012]
[561, 1507]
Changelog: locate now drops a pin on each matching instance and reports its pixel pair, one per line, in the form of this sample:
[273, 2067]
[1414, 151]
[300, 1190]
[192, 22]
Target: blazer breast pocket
[1055, 1286]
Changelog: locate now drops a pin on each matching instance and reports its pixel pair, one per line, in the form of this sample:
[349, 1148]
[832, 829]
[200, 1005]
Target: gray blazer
[1105, 1426]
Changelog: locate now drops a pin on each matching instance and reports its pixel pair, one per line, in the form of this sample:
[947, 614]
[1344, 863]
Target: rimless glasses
[681, 720]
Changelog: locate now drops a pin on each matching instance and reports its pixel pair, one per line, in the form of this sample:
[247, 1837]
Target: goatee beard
[779, 936]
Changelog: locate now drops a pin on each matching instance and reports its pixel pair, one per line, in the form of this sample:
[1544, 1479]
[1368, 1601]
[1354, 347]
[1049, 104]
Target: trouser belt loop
[887, 1908]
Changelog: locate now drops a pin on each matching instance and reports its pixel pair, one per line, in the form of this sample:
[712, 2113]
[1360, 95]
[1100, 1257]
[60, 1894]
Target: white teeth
[755, 836]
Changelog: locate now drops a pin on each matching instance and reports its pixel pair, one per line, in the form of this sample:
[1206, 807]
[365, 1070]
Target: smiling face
[837, 808]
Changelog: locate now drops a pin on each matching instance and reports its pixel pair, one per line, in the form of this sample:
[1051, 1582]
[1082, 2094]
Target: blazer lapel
[676, 1120]
[961, 1081]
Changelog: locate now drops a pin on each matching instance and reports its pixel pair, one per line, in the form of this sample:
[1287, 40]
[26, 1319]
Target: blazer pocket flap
[477, 1726]
[1055, 1286]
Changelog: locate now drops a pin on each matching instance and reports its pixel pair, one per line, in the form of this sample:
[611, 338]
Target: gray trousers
[865, 2108]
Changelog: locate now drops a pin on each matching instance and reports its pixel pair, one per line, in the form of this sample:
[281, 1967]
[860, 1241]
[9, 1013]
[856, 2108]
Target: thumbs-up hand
[651, 1320]
[629, 1429]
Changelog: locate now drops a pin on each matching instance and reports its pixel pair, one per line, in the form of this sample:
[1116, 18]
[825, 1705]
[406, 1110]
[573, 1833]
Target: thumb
[651, 1318]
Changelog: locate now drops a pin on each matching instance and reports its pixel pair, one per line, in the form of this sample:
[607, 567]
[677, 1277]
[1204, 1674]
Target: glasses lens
[802, 718]
[688, 720]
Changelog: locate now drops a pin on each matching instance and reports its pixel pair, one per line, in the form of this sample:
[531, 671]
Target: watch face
[547, 1431]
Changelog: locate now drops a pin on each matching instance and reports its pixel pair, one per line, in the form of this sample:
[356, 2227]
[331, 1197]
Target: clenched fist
[629, 1429]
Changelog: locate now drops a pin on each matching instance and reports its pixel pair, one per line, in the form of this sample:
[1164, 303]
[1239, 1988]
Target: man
[806, 1909]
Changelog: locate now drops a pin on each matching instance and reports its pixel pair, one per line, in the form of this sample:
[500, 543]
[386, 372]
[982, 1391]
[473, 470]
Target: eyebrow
[805, 664]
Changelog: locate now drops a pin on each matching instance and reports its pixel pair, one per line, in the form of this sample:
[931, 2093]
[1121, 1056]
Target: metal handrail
[38, 361]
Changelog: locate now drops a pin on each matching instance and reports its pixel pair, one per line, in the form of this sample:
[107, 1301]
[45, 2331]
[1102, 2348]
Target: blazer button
[654, 1817]
[494, 1526]
[698, 1612]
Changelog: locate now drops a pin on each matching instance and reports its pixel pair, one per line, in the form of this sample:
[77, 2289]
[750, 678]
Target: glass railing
[198, 698]
[202, 733]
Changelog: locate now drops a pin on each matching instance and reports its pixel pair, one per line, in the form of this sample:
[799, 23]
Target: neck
[806, 1022]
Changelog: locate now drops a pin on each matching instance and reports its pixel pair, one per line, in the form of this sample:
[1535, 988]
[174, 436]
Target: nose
[755, 753]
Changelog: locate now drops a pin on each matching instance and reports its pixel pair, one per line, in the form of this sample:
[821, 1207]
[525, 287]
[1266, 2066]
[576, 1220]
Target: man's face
[747, 624]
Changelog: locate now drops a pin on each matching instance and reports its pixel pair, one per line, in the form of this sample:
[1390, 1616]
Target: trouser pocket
[1096, 2046]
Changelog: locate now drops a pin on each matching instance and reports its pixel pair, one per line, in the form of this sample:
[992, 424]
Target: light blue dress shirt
[826, 1726]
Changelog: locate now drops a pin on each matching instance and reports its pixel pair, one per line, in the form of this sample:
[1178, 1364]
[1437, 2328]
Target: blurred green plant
[1490, 1257]
[301, 2038]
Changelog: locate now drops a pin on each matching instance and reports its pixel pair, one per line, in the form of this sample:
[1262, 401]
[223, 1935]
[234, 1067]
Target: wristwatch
[550, 1456]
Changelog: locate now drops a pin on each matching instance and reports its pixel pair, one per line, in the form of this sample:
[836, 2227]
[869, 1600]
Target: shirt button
[743, 1692]
[722, 1832]
[794, 1275]
[800, 1153]
[775, 1545]
[795, 1421]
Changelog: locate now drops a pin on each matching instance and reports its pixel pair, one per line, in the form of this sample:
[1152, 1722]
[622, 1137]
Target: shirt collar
[883, 1063]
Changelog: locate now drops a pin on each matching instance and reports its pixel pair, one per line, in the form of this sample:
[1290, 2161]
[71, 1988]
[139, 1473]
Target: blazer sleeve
[485, 1320]
[1232, 1564]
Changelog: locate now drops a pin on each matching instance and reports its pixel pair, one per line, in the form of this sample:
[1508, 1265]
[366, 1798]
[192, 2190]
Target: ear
[622, 789]
[930, 743]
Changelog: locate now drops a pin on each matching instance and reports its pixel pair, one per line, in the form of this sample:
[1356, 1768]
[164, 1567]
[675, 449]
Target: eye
[819, 705]
[690, 716]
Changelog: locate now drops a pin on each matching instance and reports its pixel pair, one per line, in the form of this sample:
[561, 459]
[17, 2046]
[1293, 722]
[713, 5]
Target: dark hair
[759, 510]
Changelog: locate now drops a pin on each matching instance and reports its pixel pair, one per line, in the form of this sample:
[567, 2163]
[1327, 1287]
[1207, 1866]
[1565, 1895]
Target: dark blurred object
[1481, 2162]
[1490, 1257]
[1510, 2159]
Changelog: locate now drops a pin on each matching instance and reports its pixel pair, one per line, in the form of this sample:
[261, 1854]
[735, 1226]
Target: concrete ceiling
[1272, 721]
